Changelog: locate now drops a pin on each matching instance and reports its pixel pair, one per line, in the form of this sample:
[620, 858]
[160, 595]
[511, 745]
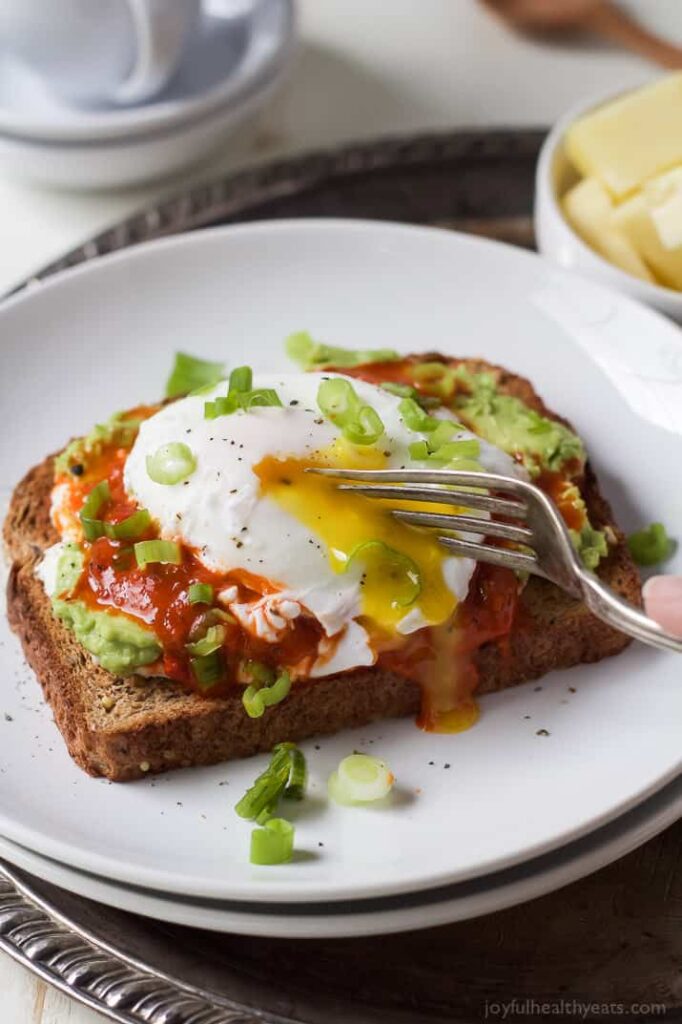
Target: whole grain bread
[123, 728]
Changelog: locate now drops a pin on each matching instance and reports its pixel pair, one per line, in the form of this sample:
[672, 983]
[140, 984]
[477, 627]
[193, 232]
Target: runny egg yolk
[344, 520]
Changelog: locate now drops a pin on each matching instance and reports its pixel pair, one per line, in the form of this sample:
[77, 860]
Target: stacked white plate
[559, 776]
[228, 72]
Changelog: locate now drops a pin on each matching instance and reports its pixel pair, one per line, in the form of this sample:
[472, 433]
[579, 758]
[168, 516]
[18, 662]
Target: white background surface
[367, 67]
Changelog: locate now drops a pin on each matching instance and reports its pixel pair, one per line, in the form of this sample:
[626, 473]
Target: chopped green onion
[651, 545]
[360, 779]
[418, 450]
[171, 463]
[298, 776]
[256, 700]
[207, 669]
[189, 374]
[442, 433]
[274, 843]
[269, 786]
[259, 398]
[310, 354]
[400, 390]
[415, 417]
[339, 402]
[213, 640]
[165, 551]
[200, 593]
[385, 561]
[241, 379]
[366, 429]
[435, 378]
[223, 405]
[467, 449]
[258, 672]
[92, 506]
[131, 527]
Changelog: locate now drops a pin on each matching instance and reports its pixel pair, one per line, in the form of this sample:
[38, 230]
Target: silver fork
[538, 527]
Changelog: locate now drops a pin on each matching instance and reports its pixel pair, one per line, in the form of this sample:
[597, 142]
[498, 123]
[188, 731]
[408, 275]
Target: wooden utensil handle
[608, 21]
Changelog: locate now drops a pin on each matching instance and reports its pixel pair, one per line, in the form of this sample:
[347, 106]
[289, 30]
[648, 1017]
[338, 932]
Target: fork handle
[609, 607]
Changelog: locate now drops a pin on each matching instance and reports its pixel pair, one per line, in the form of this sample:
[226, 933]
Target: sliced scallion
[207, 669]
[384, 561]
[339, 402]
[211, 641]
[171, 463]
[256, 700]
[273, 843]
[415, 417]
[93, 527]
[651, 545]
[298, 776]
[360, 779]
[131, 527]
[269, 786]
[311, 354]
[435, 379]
[189, 374]
[399, 390]
[200, 593]
[241, 379]
[164, 551]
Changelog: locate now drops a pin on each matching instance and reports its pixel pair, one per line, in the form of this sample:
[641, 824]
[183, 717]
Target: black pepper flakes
[542, 732]
[77, 469]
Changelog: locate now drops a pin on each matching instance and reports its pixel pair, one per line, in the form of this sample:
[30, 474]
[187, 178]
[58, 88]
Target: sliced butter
[649, 221]
[633, 139]
[664, 197]
[588, 209]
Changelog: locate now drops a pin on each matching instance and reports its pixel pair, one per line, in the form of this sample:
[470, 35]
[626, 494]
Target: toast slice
[122, 728]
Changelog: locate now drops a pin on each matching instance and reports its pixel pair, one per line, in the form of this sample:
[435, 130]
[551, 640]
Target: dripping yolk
[343, 521]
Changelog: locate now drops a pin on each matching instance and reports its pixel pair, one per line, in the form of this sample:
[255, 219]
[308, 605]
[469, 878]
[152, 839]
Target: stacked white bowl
[229, 68]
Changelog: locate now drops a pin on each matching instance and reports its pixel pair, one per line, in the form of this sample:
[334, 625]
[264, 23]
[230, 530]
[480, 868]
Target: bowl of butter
[608, 199]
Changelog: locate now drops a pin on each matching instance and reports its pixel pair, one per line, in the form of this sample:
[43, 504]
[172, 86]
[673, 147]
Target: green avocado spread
[508, 423]
[120, 645]
[119, 429]
[538, 442]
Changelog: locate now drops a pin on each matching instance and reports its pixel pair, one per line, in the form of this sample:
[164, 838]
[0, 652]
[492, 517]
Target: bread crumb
[144, 766]
[107, 703]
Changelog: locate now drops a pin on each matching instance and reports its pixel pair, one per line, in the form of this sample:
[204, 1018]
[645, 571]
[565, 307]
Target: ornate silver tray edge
[66, 956]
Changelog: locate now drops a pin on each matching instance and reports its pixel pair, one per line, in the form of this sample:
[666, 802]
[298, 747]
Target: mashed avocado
[119, 429]
[509, 424]
[541, 444]
[119, 644]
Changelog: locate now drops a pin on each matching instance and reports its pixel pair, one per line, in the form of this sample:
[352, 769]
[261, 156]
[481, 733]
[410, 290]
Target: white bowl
[557, 240]
[120, 163]
[227, 60]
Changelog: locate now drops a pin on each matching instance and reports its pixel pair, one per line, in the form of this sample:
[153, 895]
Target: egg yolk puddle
[344, 521]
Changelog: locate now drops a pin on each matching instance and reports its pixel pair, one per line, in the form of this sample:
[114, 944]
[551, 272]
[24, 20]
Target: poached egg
[251, 506]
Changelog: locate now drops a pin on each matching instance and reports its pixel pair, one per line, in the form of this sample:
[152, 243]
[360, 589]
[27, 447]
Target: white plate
[395, 914]
[226, 61]
[101, 337]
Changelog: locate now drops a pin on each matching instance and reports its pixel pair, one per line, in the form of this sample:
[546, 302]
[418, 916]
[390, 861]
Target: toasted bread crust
[122, 728]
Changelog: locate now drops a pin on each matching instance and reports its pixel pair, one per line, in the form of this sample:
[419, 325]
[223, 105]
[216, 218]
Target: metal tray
[612, 938]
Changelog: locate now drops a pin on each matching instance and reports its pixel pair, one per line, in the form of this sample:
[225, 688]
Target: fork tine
[470, 524]
[463, 499]
[442, 477]
[494, 556]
